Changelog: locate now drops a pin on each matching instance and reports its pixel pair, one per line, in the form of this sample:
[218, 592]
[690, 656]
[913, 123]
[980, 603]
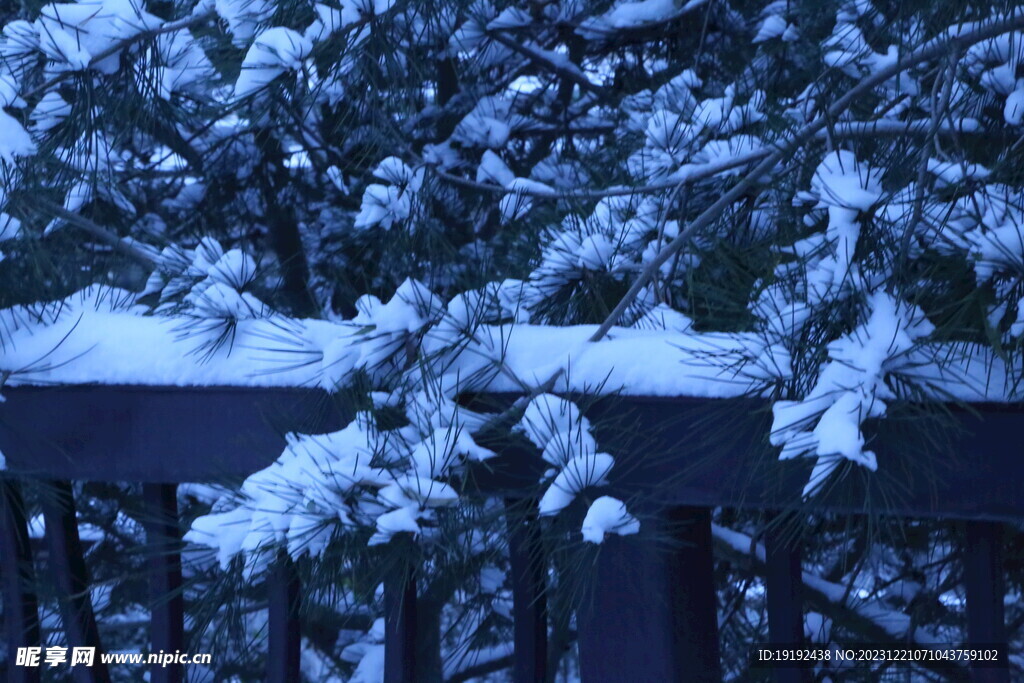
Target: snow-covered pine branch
[812, 203]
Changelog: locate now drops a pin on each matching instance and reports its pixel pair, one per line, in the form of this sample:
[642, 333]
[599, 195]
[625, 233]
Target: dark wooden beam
[784, 587]
[163, 536]
[21, 614]
[285, 633]
[983, 579]
[652, 614]
[529, 593]
[134, 433]
[671, 448]
[400, 625]
[942, 462]
[71, 577]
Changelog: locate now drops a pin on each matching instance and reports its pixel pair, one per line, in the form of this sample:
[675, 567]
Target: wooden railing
[652, 614]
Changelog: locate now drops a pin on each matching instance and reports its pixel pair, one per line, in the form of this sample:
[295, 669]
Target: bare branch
[98, 232]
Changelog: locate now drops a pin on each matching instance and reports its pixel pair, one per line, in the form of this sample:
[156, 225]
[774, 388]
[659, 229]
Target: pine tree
[815, 203]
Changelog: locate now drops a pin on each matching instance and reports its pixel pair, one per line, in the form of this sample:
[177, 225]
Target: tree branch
[847, 129]
[98, 232]
[767, 168]
[741, 550]
[538, 57]
[169, 27]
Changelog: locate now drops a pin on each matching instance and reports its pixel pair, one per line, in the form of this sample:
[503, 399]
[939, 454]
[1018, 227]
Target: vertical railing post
[71, 577]
[693, 598]
[784, 585]
[529, 599]
[163, 536]
[983, 579]
[400, 624]
[653, 614]
[285, 633]
[21, 614]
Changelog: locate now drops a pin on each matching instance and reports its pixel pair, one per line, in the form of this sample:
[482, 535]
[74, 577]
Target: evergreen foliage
[832, 190]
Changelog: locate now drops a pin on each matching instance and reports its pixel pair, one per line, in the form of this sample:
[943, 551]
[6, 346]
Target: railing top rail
[935, 460]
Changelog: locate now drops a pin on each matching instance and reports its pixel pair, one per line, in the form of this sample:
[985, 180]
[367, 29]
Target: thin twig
[939, 105]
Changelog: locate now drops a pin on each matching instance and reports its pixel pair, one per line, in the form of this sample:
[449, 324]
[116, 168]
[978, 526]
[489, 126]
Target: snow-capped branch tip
[168, 27]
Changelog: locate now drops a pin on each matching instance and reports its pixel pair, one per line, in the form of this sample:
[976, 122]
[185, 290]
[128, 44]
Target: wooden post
[784, 584]
[163, 536]
[529, 600]
[653, 614]
[284, 597]
[400, 625]
[983, 579]
[21, 614]
[69, 572]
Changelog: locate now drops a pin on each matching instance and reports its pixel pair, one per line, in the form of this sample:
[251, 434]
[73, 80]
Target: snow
[386, 205]
[383, 205]
[772, 27]
[394, 170]
[491, 579]
[434, 455]
[273, 52]
[1000, 247]
[489, 124]
[371, 666]
[95, 338]
[581, 472]
[10, 227]
[630, 14]
[608, 515]
[75, 345]
[949, 173]
[426, 491]
[242, 17]
[9, 91]
[14, 140]
[850, 389]
[511, 17]
[73, 34]
[516, 203]
[49, 112]
[185, 62]
[633, 362]
[547, 416]
[840, 181]
[330, 19]
[1013, 109]
[493, 169]
[557, 427]
[402, 520]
